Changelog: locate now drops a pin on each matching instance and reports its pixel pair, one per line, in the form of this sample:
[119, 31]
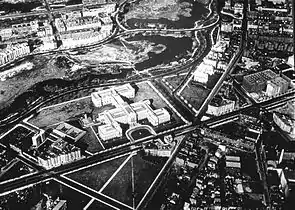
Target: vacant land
[120, 188]
[95, 176]
[63, 112]
[195, 94]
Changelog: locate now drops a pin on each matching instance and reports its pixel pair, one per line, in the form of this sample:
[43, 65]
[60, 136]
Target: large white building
[110, 95]
[123, 113]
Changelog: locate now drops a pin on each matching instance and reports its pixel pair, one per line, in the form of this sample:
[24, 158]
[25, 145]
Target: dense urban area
[147, 104]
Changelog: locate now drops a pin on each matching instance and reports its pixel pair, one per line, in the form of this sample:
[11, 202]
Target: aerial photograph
[147, 105]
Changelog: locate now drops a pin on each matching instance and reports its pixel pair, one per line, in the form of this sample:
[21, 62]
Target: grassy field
[195, 95]
[120, 188]
[95, 176]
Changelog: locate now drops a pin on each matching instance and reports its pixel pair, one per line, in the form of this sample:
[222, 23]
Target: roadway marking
[94, 164]
[88, 204]
[123, 204]
[116, 172]
[186, 83]
[97, 192]
[24, 187]
[163, 168]
[80, 191]
[98, 139]
[65, 102]
[132, 182]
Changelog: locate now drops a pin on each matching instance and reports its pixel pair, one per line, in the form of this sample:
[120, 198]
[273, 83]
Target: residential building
[276, 86]
[59, 153]
[285, 123]
[5, 33]
[13, 52]
[219, 106]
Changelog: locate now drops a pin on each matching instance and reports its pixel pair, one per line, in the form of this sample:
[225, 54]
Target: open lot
[121, 186]
[63, 112]
[195, 94]
[96, 176]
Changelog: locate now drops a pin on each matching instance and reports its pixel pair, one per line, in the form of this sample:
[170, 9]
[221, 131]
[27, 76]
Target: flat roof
[232, 158]
[230, 164]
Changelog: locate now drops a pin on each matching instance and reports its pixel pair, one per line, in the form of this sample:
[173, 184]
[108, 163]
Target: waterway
[198, 11]
[176, 48]
[21, 7]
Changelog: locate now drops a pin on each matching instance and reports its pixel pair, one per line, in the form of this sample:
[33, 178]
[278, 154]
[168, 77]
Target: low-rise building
[65, 129]
[109, 131]
[276, 86]
[201, 77]
[219, 106]
[59, 153]
[13, 52]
